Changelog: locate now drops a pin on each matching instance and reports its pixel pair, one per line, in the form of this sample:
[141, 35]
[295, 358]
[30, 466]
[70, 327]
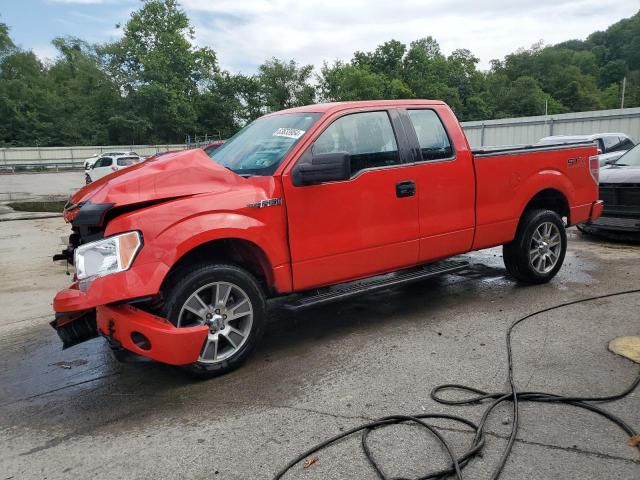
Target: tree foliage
[155, 85]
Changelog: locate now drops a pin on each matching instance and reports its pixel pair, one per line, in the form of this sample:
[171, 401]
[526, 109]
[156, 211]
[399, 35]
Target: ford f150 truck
[175, 257]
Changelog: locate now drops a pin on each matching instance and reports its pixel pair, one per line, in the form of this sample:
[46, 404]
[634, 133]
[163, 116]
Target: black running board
[352, 289]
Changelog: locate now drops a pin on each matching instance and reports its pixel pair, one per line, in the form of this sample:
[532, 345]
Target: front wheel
[229, 301]
[538, 251]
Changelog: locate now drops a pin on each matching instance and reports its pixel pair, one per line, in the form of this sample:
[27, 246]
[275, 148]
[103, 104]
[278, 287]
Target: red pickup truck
[176, 256]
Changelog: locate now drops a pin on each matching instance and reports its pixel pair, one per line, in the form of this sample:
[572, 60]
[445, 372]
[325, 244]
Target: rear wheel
[538, 251]
[230, 302]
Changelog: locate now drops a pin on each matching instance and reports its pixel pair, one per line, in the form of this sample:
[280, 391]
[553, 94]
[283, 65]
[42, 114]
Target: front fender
[180, 238]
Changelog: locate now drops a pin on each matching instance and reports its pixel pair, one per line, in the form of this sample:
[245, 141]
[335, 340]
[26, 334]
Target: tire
[189, 300]
[533, 257]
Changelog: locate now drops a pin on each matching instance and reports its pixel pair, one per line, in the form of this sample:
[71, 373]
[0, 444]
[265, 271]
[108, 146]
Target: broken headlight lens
[110, 255]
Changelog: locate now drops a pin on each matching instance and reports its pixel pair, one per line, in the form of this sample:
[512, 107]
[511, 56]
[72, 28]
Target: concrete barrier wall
[528, 130]
[70, 156]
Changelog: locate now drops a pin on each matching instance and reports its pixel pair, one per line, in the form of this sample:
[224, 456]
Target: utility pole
[624, 86]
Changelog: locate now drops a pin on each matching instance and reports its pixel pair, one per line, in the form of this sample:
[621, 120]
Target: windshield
[258, 149]
[631, 158]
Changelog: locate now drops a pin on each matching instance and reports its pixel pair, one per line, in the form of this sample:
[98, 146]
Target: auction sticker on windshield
[288, 132]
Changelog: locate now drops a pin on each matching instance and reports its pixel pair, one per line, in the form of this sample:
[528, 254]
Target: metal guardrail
[67, 158]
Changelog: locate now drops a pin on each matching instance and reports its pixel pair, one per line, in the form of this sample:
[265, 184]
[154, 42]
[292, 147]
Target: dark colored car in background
[620, 190]
[213, 146]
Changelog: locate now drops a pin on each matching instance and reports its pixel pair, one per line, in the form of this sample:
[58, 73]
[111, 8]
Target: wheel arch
[237, 251]
[549, 199]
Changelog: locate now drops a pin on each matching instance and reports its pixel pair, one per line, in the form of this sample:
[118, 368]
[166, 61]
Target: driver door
[368, 224]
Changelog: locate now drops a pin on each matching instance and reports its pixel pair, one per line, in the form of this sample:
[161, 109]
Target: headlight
[110, 255]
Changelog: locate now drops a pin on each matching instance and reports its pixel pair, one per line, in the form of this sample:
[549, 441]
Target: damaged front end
[86, 221]
[75, 328]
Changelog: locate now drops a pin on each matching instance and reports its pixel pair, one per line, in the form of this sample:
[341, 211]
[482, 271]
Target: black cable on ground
[478, 396]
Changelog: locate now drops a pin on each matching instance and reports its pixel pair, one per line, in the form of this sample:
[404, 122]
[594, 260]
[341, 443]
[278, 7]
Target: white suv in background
[89, 162]
[105, 165]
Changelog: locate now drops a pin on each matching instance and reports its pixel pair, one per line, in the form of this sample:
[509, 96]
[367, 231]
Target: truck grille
[620, 194]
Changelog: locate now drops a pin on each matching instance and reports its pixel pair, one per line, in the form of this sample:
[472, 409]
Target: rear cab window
[432, 137]
[126, 161]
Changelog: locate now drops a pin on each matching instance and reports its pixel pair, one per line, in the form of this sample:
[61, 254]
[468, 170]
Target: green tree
[344, 82]
[386, 60]
[88, 97]
[6, 44]
[160, 70]
[285, 84]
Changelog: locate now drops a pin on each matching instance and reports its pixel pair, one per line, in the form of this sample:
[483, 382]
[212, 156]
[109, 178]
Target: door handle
[405, 189]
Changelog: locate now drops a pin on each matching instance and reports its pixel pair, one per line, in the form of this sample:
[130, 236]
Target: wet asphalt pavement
[80, 414]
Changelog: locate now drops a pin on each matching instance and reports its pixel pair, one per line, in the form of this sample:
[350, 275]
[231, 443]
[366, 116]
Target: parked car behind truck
[620, 190]
[175, 257]
[611, 146]
[108, 164]
[91, 161]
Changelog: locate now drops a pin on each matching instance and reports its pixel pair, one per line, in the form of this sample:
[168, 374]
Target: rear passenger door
[365, 225]
[445, 181]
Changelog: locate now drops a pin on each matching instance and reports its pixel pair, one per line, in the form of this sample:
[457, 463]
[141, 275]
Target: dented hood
[167, 176]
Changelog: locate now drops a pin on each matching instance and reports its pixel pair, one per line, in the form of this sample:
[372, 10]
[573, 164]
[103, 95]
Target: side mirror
[325, 167]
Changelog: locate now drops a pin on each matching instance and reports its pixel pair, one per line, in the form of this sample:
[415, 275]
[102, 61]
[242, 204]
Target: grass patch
[55, 207]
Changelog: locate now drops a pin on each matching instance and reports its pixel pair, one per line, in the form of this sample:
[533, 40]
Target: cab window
[367, 137]
[432, 137]
[126, 161]
[610, 144]
[624, 145]
[104, 162]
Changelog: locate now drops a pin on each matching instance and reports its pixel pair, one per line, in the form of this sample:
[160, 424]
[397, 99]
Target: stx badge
[269, 202]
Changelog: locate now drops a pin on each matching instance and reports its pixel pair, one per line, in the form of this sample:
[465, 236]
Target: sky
[244, 33]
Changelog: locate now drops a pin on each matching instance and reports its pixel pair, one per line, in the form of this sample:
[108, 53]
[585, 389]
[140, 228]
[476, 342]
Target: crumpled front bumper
[135, 330]
[81, 316]
[149, 335]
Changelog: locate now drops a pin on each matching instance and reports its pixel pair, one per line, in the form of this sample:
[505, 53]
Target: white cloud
[45, 52]
[244, 33]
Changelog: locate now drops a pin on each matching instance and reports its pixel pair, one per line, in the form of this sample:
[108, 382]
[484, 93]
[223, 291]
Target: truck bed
[518, 149]
[507, 178]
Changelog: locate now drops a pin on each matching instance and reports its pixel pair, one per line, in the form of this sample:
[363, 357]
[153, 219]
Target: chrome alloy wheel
[226, 309]
[545, 247]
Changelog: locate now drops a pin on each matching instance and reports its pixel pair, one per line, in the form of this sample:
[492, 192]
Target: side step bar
[352, 289]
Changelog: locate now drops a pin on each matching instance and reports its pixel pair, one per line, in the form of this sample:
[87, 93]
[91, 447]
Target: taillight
[594, 167]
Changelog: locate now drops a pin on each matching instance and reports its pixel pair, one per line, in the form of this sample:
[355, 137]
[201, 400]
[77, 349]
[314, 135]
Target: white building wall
[528, 130]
